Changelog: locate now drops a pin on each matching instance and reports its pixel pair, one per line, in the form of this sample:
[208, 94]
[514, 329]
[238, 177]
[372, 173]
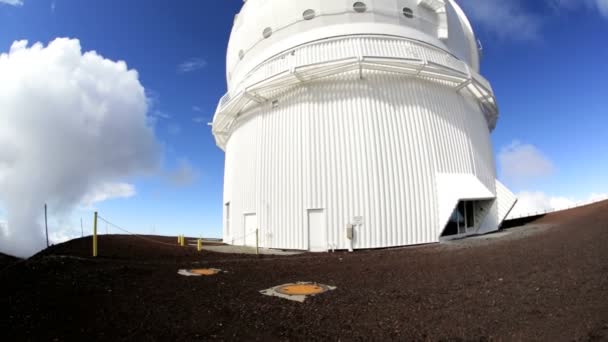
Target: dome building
[356, 124]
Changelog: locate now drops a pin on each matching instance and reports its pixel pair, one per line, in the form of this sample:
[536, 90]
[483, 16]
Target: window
[267, 32]
[462, 220]
[408, 13]
[309, 14]
[470, 214]
[359, 7]
[275, 103]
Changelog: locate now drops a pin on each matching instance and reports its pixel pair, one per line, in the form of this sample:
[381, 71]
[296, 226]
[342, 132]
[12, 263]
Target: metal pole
[257, 240]
[81, 228]
[46, 226]
[95, 235]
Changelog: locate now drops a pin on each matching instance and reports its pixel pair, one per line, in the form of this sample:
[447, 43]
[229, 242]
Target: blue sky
[545, 59]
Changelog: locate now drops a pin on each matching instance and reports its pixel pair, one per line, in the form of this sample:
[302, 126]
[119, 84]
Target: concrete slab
[248, 250]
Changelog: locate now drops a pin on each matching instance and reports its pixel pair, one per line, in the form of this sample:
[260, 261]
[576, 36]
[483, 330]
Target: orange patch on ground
[205, 271]
[301, 289]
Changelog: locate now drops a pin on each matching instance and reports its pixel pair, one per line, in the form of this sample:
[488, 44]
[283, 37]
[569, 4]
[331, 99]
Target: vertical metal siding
[353, 147]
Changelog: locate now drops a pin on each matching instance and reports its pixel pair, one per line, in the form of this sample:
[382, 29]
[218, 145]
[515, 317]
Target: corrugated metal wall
[369, 148]
[505, 199]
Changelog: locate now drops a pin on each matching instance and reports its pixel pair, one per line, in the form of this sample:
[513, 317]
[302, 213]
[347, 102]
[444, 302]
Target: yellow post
[183, 241]
[179, 239]
[95, 235]
[257, 240]
[199, 245]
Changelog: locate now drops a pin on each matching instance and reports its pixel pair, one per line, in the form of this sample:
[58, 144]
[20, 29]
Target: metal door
[251, 224]
[317, 232]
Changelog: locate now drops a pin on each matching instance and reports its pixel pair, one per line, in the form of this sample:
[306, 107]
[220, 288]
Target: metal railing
[335, 56]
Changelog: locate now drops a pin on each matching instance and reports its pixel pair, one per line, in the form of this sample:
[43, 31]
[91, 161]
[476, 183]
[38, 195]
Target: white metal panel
[369, 148]
[454, 188]
[506, 201]
[358, 114]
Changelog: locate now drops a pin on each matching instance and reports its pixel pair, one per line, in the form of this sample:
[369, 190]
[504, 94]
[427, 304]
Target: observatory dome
[265, 28]
[356, 124]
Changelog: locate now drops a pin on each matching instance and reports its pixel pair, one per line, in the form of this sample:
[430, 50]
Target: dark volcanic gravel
[546, 281]
[7, 260]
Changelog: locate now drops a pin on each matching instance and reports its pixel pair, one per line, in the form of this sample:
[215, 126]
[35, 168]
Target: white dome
[265, 28]
[356, 124]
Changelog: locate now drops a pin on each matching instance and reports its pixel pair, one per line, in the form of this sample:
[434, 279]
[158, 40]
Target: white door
[251, 224]
[317, 234]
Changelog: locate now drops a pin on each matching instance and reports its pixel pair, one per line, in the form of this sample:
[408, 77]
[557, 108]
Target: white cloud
[156, 115]
[600, 5]
[3, 229]
[193, 64]
[510, 19]
[531, 203]
[12, 2]
[183, 175]
[197, 109]
[107, 191]
[504, 18]
[72, 123]
[174, 129]
[521, 163]
[598, 197]
[200, 120]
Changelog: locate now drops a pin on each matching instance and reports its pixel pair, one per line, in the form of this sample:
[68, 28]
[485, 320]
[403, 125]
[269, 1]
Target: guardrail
[330, 57]
[553, 210]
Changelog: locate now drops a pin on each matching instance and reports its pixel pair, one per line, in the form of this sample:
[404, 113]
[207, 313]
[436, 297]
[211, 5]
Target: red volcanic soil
[544, 281]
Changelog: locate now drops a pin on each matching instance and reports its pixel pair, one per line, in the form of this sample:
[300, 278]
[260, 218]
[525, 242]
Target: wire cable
[138, 235]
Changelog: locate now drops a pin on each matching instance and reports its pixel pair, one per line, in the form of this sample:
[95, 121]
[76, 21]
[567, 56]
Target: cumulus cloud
[521, 163]
[531, 203]
[12, 2]
[193, 64]
[73, 125]
[105, 191]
